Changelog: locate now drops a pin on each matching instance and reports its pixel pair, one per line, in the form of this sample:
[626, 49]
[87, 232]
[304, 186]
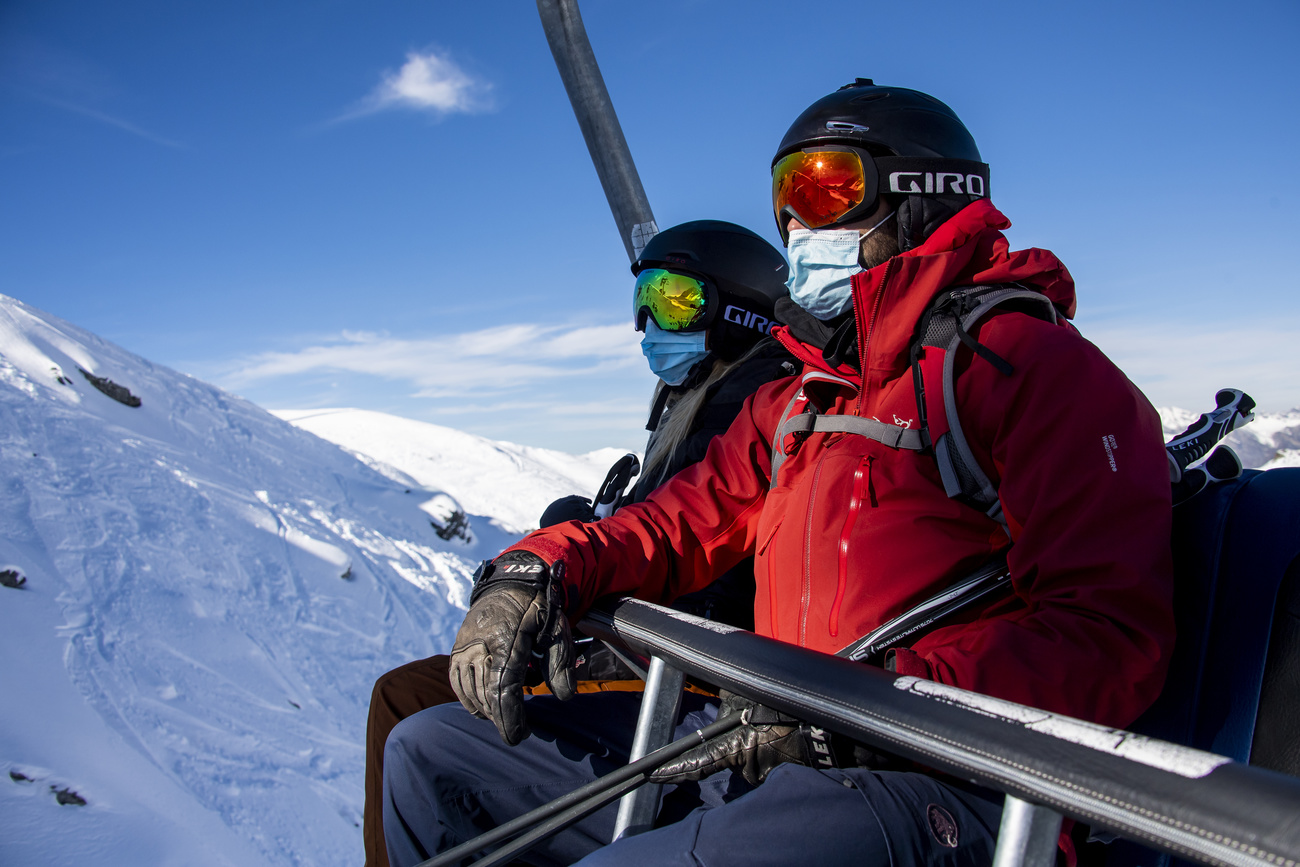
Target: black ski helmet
[913, 139]
[748, 272]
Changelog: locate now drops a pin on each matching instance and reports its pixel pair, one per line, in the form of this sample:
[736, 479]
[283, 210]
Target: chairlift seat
[1234, 681]
[1236, 546]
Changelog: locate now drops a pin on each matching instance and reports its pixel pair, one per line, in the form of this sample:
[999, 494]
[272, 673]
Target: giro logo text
[936, 183]
[761, 324]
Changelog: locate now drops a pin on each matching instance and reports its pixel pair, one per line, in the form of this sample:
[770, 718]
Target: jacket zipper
[861, 487]
[864, 336]
[771, 581]
[807, 554]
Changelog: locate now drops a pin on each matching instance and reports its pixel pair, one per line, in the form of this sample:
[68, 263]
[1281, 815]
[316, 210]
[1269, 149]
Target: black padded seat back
[1233, 546]
[1236, 550]
[1277, 725]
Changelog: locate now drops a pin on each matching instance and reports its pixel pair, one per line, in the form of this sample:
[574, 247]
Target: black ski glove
[570, 508]
[767, 739]
[514, 615]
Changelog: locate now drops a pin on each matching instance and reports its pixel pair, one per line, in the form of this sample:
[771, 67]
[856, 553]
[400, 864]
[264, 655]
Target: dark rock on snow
[67, 797]
[112, 389]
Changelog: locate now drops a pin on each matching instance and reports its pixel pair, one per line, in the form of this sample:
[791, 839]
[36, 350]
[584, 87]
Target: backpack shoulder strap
[801, 418]
[946, 324]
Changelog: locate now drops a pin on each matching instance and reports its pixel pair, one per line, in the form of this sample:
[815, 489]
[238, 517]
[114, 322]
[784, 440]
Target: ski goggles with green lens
[676, 302]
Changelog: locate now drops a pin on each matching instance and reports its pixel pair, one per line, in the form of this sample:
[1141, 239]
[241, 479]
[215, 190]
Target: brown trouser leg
[400, 693]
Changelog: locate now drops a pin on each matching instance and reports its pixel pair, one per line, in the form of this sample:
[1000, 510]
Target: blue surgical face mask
[672, 354]
[822, 265]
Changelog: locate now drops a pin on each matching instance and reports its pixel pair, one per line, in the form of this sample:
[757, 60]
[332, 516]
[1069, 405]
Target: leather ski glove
[768, 738]
[514, 615]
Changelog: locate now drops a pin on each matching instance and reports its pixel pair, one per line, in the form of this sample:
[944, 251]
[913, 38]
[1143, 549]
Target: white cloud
[569, 387]
[429, 82]
[474, 364]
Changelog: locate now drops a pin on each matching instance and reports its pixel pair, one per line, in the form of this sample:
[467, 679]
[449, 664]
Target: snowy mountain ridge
[209, 595]
[513, 483]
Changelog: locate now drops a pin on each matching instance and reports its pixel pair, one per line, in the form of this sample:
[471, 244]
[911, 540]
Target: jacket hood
[967, 250]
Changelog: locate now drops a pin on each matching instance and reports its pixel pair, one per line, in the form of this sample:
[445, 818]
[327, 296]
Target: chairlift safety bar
[1189, 803]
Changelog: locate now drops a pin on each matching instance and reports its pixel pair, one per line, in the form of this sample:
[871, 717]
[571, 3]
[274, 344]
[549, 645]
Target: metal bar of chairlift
[1027, 836]
[610, 154]
[654, 728]
[1183, 801]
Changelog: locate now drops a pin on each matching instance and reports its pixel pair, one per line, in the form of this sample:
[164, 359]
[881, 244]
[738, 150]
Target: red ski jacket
[853, 532]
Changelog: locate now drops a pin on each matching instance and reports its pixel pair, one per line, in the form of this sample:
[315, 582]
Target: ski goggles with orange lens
[834, 184]
[674, 301]
[822, 187]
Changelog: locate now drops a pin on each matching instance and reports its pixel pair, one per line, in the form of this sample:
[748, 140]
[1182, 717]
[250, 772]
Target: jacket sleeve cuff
[573, 604]
[904, 661]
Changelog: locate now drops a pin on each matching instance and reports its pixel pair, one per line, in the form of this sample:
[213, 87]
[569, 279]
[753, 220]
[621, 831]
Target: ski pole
[611, 490]
[1233, 409]
[554, 817]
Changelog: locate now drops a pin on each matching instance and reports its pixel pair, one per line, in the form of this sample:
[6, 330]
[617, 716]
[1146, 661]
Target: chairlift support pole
[654, 729]
[591, 105]
[1027, 836]
[616, 169]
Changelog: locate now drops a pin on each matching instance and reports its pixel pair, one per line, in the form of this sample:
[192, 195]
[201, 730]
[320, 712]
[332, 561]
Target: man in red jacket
[881, 195]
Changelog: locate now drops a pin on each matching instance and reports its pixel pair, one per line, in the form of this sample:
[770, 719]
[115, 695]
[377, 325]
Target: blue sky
[390, 206]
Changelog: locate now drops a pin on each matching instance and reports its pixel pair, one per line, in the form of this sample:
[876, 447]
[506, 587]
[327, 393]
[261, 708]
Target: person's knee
[437, 748]
[421, 737]
[399, 755]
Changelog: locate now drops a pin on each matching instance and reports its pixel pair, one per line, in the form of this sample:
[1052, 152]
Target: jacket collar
[888, 300]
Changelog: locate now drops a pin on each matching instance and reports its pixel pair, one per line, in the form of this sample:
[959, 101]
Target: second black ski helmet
[746, 273]
[882, 141]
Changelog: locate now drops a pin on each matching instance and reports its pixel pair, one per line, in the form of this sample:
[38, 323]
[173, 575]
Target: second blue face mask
[822, 265]
[672, 354]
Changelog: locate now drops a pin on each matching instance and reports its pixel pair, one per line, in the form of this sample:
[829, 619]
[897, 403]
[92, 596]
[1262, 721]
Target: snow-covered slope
[511, 482]
[210, 593]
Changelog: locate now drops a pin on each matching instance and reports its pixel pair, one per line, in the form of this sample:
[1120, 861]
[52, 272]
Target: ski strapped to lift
[549, 819]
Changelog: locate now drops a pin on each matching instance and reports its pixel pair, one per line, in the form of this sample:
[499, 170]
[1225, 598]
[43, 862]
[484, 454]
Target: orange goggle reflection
[675, 302]
[818, 187]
